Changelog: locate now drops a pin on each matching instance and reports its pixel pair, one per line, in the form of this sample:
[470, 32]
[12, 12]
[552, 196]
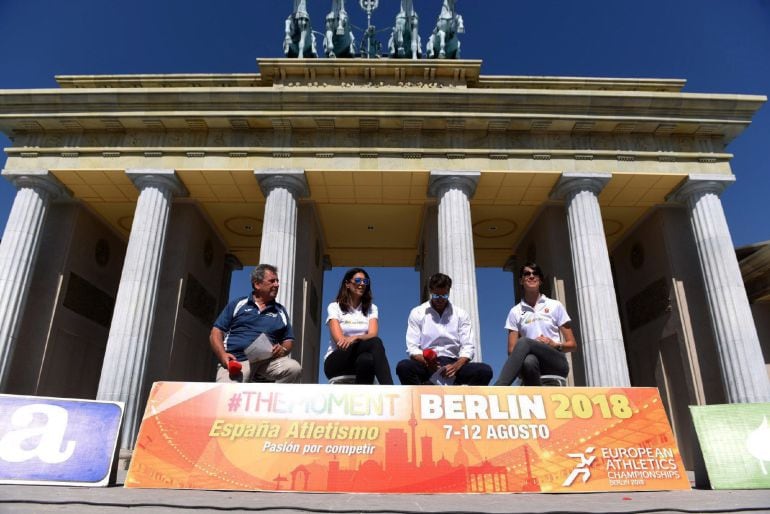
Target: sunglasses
[529, 274]
[359, 280]
[434, 296]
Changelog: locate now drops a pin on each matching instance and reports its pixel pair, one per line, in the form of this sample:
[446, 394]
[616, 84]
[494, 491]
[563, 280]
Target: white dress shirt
[449, 334]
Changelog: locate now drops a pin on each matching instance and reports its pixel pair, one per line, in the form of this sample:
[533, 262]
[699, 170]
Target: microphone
[234, 368]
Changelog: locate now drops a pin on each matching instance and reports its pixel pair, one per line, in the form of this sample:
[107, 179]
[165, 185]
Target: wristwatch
[560, 347]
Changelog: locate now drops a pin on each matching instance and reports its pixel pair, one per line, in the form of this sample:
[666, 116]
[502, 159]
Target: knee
[403, 366]
[365, 361]
[485, 373]
[531, 363]
[377, 346]
[293, 369]
[526, 341]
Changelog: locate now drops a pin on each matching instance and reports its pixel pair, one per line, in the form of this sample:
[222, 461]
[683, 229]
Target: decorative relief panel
[86, 299]
[198, 301]
[648, 304]
[283, 136]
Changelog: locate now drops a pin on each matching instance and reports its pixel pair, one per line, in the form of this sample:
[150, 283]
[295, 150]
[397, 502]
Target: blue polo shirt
[242, 323]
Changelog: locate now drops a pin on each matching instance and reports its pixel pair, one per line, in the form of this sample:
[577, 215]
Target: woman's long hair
[343, 295]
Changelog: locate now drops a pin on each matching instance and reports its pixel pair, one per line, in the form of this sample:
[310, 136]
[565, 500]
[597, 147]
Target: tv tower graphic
[413, 426]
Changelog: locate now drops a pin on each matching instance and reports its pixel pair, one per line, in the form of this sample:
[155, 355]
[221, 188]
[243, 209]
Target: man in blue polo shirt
[245, 319]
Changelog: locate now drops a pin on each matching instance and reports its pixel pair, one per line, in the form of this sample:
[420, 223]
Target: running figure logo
[582, 466]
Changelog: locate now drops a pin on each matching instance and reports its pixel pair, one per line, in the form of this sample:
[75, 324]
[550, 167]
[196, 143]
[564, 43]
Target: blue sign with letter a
[53, 440]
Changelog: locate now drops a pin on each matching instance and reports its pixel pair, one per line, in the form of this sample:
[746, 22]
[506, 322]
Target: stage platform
[49, 499]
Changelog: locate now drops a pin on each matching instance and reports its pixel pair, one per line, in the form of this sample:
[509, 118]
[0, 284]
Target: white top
[544, 319]
[449, 335]
[352, 323]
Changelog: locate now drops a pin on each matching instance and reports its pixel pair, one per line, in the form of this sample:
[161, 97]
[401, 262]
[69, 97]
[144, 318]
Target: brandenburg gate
[138, 195]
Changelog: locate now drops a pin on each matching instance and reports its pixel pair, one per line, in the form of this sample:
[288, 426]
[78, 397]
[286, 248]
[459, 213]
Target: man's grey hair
[258, 274]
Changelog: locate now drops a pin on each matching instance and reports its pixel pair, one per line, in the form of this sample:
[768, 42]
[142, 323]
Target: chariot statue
[339, 40]
[443, 42]
[370, 46]
[299, 40]
[405, 40]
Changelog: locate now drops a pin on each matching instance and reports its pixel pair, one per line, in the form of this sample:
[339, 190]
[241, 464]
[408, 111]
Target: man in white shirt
[446, 329]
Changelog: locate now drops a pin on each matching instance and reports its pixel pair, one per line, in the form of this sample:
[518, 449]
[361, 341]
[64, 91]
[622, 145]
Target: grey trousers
[282, 370]
[531, 358]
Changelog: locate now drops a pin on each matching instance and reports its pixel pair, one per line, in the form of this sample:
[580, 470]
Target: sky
[718, 46]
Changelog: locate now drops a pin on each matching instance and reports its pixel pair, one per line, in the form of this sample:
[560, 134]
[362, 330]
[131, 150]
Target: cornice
[292, 94]
[581, 83]
[75, 111]
[164, 80]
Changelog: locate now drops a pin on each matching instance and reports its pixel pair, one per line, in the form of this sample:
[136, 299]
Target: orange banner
[397, 439]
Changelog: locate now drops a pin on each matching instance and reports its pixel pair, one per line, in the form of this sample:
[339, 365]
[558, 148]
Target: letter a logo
[49, 436]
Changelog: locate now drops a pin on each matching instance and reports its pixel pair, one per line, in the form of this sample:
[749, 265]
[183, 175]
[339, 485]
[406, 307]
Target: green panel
[735, 440]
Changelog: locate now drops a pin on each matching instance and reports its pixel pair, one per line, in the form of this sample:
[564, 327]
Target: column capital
[571, 183]
[161, 178]
[510, 264]
[701, 183]
[40, 180]
[444, 180]
[291, 179]
[232, 262]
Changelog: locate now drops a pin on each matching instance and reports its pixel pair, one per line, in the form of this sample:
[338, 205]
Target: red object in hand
[429, 355]
[234, 367]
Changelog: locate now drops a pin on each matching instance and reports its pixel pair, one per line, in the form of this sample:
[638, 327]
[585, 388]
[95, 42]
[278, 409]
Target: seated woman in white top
[354, 348]
[539, 333]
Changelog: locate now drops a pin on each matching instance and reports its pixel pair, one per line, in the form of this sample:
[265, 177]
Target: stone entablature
[458, 73]
[346, 96]
[491, 145]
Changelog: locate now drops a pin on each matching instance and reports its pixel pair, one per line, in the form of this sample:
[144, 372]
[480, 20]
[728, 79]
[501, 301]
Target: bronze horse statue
[299, 40]
[405, 40]
[338, 40]
[443, 42]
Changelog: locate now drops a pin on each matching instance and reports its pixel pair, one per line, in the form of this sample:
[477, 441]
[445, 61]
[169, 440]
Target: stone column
[453, 189]
[740, 355]
[125, 358]
[282, 189]
[232, 263]
[18, 253]
[600, 332]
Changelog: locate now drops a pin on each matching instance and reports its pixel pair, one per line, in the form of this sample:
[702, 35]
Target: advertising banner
[57, 440]
[397, 439]
[735, 440]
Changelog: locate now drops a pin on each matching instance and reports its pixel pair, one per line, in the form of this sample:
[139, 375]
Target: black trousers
[411, 372]
[532, 358]
[364, 359]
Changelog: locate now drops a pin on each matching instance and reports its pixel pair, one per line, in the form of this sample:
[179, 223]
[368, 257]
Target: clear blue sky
[719, 46]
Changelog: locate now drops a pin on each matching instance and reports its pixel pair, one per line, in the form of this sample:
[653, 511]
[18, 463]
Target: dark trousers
[364, 359]
[412, 372]
[531, 358]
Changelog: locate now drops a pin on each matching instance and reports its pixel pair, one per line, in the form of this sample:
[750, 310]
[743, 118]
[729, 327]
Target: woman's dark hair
[343, 295]
[534, 267]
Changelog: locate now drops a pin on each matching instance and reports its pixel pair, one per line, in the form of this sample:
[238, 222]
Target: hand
[345, 342]
[228, 357]
[546, 340]
[234, 368]
[450, 370]
[279, 351]
[419, 358]
[430, 359]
